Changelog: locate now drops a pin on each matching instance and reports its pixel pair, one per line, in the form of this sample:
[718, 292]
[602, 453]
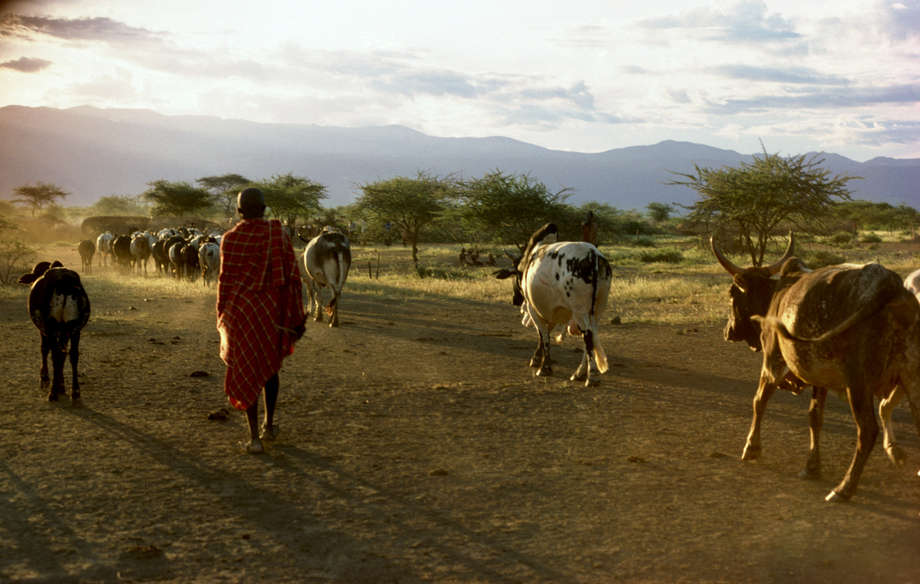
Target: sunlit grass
[692, 290]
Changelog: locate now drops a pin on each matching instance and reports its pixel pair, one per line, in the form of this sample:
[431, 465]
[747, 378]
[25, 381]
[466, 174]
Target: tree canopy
[505, 207]
[291, 197]
[39, 195]
[176, 198]
[408, 204]
[225, 188]
[754, 199]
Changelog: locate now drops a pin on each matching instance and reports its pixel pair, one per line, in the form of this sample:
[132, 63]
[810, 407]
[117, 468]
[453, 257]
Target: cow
[912, 283]
[87, 249]
[121, 250]
[326, 260]
[209, 261]
[59, 309]
[562, 283]
[140, 250]
[104, 247]
[848, 328]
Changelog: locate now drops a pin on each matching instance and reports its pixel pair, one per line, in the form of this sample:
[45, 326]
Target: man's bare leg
[255, 444]
[269, 430]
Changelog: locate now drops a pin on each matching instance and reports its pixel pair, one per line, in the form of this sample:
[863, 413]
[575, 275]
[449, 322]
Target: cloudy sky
[840, 76]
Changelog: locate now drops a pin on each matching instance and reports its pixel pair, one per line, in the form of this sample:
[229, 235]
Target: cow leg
[885, 408]
[334, 309]
[58, 355]
[315, 302]
[43, 374]
[761, 398]
[861, 405]
[544, 363]
[74, 359]
[584, 368]
[812, 468]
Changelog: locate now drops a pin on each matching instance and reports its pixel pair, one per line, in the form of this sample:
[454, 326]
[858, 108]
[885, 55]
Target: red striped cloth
[259, 305]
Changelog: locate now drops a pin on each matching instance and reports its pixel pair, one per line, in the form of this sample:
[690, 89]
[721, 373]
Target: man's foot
[252, 447]
[269, 433]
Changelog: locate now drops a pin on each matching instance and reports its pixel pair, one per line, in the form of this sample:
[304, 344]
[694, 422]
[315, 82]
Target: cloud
[745, 22]
[26, 65]
[901, 18]
[78, 29]
[794, 75]
[890, 132]
[823, 99]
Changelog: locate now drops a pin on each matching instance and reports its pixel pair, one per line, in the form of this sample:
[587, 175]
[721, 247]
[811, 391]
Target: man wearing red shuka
[259, 312]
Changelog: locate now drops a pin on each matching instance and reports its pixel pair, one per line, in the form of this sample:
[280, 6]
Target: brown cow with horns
[853, 329]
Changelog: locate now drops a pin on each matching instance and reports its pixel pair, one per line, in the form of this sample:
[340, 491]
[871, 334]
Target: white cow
[104, 247]
[326, 261]
[209, 261]
[562, 283]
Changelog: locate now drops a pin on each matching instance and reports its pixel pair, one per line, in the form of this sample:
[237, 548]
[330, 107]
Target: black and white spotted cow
[59, 309]
[326, 259]
[562, 283]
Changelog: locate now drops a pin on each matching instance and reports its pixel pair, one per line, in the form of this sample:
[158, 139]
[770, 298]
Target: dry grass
[692, 291]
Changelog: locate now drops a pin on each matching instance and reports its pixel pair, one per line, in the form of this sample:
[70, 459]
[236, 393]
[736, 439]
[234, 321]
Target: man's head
[250, 203]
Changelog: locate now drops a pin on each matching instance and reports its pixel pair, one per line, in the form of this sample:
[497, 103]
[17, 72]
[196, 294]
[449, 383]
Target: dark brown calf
[59, 309]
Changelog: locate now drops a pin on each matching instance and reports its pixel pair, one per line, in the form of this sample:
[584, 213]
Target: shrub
[14, 260]
[824, 258]
[440, 273]
[666, 256]
[841, 238]
[871, 238]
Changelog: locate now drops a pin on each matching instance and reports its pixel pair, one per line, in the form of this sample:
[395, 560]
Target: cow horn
[775, 267]
[726, 263]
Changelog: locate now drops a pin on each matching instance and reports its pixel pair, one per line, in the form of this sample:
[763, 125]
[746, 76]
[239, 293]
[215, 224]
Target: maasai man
[259, 312]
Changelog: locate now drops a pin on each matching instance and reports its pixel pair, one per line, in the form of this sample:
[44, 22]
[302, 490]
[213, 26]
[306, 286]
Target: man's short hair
[250, 203]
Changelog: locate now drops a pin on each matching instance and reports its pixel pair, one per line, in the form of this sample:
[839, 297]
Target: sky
[787, 77]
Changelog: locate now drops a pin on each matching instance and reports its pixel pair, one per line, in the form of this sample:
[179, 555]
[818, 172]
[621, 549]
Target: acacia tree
[754, 198]
[225, 188]
[39, 195]
[409, 204]
[118, 205]
[176, 198]
[508, 207]
[291, 197]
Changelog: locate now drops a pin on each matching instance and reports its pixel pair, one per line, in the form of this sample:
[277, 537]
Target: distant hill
[92, 153]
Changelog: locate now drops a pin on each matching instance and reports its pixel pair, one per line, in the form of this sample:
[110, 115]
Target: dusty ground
[416, 446]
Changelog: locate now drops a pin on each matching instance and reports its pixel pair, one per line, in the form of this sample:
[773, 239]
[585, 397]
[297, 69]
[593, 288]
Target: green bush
[841, 238]
[871, 238]
[824, 258]
[665, 256]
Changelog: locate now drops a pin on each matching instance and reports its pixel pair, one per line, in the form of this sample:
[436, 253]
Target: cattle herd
[851, 329]
[184, 253]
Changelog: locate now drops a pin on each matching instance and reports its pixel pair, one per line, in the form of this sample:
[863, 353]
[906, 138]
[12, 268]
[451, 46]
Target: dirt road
[416, 446]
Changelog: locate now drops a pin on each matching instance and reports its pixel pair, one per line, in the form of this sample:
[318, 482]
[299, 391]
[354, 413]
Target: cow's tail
[338, 281]
[780, 327]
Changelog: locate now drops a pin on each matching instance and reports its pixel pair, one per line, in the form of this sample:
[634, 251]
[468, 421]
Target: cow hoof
[252, 447]
[895, 454]
[76, 401]
[750, 453]
[810, 474]
[835, 497]
[52, 397]
[545, 372]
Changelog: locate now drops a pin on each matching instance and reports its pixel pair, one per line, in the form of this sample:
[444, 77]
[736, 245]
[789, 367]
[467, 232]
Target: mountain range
[92, 152]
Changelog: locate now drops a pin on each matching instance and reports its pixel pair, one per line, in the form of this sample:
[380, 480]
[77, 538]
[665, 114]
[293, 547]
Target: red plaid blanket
[259, 306]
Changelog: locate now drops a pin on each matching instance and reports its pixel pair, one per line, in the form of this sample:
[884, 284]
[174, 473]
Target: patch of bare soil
[417, 446]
